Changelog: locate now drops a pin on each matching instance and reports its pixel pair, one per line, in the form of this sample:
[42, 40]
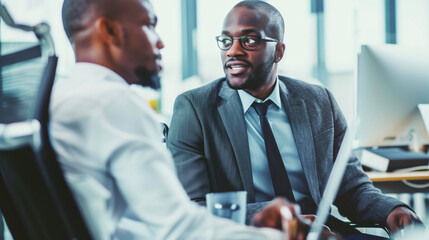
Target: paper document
[424, 111]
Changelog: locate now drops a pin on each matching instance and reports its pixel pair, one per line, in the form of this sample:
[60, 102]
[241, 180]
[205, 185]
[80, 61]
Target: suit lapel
[301, 128]
[231, 113]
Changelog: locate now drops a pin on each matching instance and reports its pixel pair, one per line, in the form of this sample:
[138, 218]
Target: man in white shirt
[102, 129]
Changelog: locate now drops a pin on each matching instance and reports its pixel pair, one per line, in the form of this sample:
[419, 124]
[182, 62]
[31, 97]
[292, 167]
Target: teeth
[238, 67]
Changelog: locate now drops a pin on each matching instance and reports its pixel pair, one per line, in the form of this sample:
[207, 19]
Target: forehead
[244, 18]
[148, 8]
[138, 9]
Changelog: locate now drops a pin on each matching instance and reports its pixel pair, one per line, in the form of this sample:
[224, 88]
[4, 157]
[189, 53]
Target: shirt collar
[87, 71]
[247, 99]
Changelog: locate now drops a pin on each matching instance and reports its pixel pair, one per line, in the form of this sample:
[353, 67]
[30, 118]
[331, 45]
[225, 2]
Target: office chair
[34, 197]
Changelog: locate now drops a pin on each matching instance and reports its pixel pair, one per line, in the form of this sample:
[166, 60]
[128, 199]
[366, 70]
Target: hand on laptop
[285, 216]
[401, 217]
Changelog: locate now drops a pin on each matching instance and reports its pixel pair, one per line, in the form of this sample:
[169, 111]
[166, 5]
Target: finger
[293, 225]
[327, 234]
[268, 217]
[410, 219]
[301, 236]
[405, 221]
[394, 228]
[326, 228]
[290, 225]
[286, 213]
[296, 210]
[293, 228]
[309, 217]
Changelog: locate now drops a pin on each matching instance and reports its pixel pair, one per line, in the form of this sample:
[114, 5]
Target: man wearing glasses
[267, 134]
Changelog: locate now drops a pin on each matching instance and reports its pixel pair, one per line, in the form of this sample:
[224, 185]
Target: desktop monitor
[391, 81]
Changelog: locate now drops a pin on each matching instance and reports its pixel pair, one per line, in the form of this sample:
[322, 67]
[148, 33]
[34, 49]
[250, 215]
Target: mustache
[236, 59]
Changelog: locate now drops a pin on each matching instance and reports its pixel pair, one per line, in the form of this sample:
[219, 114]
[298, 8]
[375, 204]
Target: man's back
[95, 116]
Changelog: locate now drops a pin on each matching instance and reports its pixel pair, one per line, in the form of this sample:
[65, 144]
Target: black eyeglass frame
[241, 38]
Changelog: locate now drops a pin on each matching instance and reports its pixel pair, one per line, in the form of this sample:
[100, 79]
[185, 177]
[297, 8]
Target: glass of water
[231, 205]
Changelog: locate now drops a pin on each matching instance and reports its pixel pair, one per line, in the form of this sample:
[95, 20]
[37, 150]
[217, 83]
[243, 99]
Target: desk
[391, 182]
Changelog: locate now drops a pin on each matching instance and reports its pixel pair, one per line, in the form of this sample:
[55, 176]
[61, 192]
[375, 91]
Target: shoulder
[298, 87]
[207, 94]
[312, 94]
[99, 100]
[87, 96]
[208, 88]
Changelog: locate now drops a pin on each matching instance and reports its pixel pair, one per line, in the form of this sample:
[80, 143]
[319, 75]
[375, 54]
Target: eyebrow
[244, 32]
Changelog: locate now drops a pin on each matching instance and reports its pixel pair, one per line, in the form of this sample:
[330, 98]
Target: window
[32, 12]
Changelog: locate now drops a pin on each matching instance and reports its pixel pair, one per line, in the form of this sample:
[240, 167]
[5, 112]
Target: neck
[93, 53]
[97, 55]
[267, 88]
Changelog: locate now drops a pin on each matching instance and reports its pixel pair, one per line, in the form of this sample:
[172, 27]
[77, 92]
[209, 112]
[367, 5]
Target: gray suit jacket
[208, 140]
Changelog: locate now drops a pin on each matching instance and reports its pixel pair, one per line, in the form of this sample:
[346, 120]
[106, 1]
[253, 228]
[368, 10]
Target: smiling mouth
[236, 68]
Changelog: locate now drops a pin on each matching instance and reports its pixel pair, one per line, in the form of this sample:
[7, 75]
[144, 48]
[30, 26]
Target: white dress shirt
[280, 125]
[102, 129]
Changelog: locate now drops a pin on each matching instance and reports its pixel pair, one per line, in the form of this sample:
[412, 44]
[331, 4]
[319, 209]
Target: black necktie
[277, 169]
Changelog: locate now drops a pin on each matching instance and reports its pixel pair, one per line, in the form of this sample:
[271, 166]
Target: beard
[145, 77]
[257, 78]
[148, 78]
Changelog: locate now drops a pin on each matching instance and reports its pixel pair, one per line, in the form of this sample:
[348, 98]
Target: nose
[159, 43]
[236, 49]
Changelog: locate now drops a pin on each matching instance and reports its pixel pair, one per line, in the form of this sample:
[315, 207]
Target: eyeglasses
[247, 42]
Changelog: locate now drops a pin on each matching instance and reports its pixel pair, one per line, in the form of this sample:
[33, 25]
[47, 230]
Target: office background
[323, 38]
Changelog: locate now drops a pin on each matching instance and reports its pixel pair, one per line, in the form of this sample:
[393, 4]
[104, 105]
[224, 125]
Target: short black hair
[73, 13]
[76, 12]
[276, 24]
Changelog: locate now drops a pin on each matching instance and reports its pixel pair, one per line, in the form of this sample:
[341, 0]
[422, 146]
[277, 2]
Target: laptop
[334, 181]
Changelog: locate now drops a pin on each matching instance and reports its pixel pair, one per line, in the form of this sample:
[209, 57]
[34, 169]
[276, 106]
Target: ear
[280, 51]
[109, 31]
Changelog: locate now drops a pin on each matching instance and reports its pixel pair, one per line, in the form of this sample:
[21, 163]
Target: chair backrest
[34, 197]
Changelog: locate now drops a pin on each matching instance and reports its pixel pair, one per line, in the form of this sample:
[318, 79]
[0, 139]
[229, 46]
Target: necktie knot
[261, 108]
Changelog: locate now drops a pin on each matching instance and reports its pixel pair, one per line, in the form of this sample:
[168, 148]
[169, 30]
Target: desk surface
[397, 176]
